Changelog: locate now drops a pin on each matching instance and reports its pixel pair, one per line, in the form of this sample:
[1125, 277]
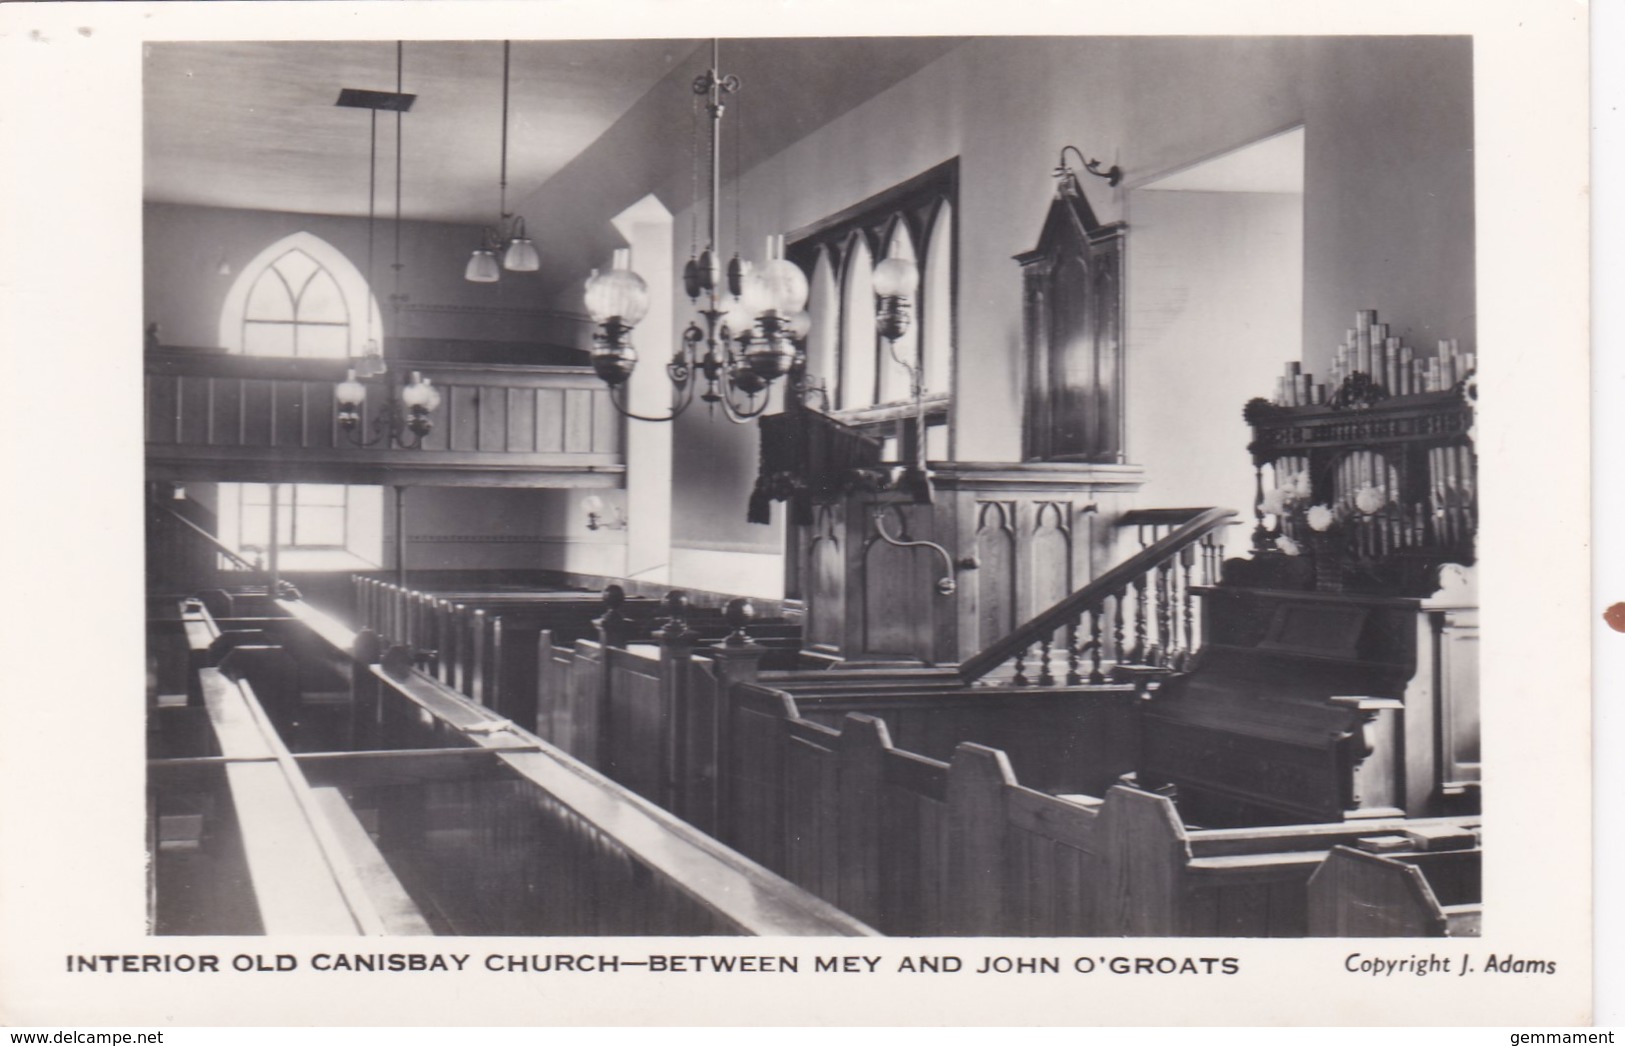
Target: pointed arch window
[865, 385]
[300, 297]
[858, 338]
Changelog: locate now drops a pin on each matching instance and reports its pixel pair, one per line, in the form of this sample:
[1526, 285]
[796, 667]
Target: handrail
[1090, 596]
[219, 546]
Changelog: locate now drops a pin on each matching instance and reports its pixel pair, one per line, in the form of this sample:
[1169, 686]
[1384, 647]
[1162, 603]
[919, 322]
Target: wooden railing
[215, 416]
[199, 534]
[1145, 603]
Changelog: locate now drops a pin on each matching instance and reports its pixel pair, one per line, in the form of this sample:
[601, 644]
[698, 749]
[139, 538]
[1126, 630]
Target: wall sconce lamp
[896, 281]
[403, 421]
[595, 514]
[1112, 174]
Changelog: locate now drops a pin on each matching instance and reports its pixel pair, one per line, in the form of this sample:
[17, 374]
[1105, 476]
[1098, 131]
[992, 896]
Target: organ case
[1339, 682]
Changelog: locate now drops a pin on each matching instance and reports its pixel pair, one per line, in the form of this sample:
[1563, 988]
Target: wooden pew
[607, 861]
[920, 846]
[1427, 894]
[300, 878]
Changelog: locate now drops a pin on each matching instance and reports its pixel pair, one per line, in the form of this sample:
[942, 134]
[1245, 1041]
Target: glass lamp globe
[483, 267]
[416, 392]
[350, 391]
[521, 255]
[786, 284]
[797, 324]
[738, 321]
[757, 296]
[896, 278]
[617, 294]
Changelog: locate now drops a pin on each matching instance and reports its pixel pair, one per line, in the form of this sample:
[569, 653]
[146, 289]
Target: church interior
[908, 486]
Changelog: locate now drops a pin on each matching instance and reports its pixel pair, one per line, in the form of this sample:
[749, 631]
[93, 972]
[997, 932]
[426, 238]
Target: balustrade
[1151, 593]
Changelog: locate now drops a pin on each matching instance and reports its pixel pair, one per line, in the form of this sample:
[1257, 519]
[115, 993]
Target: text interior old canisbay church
[849, 486]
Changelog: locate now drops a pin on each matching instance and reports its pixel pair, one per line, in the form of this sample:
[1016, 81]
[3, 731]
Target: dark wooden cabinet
[1072, 295]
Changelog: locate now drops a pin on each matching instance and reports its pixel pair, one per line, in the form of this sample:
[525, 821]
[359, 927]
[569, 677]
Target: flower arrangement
[1289, 503]
[1320, 518]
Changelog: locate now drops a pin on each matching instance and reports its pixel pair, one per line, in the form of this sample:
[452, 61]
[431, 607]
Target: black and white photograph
[593, 498]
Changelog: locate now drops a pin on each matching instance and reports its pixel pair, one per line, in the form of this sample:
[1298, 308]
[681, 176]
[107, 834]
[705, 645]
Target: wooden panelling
[226, 427]
[493, 429]
[578, 420]
[193, 408]
[521, 420]
[463, 417]
[606, 424]
[899, 588]
[260, 420]
[1051, 552]
[826, 580]
[288, 413]
[635, 747]
[996, 578]
[550, 420]
[163, 407]
[257, 422]
[318, 421]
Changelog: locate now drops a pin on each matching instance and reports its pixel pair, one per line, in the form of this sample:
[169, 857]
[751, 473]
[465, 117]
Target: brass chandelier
[751, 321]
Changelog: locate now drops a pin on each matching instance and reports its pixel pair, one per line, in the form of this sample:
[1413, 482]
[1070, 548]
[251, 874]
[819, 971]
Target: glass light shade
[758, 296]
[415, 393]
[617, 294]
[521, 255]
[896, 278]
[482, 267]
[350, 391]
[738, 320]
[798, 324]
[592, 503]
[787, 284]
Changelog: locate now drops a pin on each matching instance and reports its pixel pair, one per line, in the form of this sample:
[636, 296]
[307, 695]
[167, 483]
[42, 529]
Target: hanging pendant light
[404, 419]
[482, 264]
[507, 246]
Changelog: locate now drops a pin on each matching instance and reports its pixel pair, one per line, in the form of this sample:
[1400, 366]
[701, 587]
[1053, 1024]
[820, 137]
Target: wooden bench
[302, 878]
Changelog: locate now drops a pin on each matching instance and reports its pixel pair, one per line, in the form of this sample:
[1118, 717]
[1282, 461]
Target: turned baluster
[1160, 653]
[1141, 616]
[1045, 676]
[1187, 560]
[1096, 677]
[1212, 551]
[1262, 538]
[1020, 678]
[1117, 624]
[1072, 676]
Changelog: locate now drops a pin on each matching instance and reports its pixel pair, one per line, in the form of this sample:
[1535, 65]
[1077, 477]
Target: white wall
[1215, 309]
[724, 569]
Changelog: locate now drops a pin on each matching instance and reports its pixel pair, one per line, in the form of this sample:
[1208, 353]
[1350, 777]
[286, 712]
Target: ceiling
[253, 125]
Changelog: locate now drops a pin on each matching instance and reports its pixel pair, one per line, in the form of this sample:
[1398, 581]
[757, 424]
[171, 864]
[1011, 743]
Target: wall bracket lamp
[1112, 174]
